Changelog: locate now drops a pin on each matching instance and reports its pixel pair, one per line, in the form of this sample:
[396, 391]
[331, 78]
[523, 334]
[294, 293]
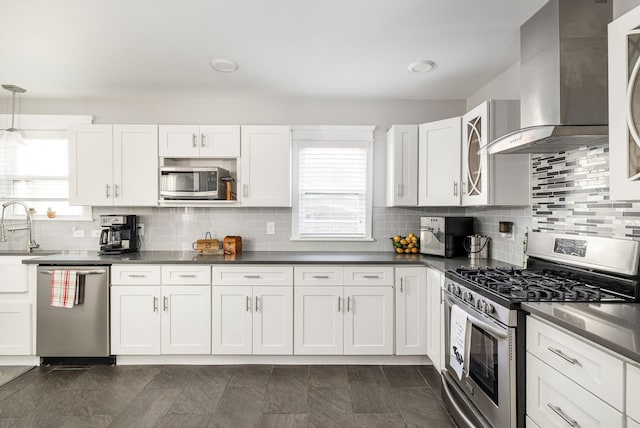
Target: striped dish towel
[64, 287]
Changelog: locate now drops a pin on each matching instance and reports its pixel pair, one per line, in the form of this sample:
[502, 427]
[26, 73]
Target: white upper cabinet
[402, 165]
[439, 163]
[624, 106]
[113, 165]
[193, 141]
[495, 179]
[265, 166]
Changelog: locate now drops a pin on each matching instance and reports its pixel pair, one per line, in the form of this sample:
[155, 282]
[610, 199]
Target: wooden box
[232, 245]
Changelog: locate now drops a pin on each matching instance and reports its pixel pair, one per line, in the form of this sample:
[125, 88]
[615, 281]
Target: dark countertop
[260, 257]
[615, 326]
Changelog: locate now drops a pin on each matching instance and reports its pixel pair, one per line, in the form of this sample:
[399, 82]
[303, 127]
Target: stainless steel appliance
[563, 70]
[491, 391]
[444, 236]
[193, 183]
[80, 331]
[119, 234]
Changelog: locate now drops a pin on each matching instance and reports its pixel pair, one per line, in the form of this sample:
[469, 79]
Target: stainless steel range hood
[563, 77]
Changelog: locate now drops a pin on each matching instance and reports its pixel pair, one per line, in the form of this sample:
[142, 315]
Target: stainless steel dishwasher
[80, 331]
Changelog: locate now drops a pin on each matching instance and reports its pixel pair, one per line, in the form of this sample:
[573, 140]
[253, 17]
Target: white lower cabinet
[411, 311]
[553, 400]
[15, 328]
[152, 320]
[252, 320]
[435, 318]
[332, 320]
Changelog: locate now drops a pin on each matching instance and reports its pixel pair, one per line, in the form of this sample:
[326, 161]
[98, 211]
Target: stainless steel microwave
[192, 183]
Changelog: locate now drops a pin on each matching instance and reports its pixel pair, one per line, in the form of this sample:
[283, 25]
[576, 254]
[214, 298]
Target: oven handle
[484, 325]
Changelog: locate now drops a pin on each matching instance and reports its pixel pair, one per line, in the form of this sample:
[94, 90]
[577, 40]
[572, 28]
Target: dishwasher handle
[79, 272]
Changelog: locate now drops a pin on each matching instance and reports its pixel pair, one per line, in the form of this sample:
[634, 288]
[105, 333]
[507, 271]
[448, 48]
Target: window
[36, 173]
[332, 196]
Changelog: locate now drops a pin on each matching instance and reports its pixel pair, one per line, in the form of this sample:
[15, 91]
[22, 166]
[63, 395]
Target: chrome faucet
[31, 244]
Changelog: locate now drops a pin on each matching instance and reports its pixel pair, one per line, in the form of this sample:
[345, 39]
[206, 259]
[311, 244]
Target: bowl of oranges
[409, 244]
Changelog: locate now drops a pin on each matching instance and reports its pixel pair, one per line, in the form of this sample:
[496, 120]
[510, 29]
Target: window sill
[298, 239]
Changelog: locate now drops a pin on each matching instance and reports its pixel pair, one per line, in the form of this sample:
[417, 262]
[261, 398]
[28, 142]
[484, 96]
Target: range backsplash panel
[570, 194]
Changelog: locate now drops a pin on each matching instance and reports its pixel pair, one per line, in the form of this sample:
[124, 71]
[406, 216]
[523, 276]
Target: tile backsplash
[570, 194]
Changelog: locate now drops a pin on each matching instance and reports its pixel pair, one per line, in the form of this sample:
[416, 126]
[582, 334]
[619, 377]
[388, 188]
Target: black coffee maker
[119, 234]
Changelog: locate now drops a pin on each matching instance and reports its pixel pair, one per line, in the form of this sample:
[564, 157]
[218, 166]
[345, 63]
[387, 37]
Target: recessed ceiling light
[422, 66]
[224, 65]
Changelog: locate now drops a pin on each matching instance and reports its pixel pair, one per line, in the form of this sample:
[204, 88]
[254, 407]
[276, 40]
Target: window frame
[47, 126]
[332, 135]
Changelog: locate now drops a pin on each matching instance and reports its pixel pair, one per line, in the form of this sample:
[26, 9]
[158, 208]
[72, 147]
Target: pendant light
[11, 135]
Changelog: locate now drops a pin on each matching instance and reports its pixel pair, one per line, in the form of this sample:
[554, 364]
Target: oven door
[488, 378]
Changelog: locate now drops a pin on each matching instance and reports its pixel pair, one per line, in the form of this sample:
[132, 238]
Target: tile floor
[224, 396]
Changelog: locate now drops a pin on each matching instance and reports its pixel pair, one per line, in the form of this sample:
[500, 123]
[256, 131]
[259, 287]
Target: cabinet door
[273, 320]
[179, 141]
[318, 326]
[411, 311]
[435, 315]
[91, 165]
[439, 163]
[265, 166]
[186, 319]
[15, 329]
[231, 319]
[402, 165]
[475, 166]
[135, 165]
[135, 320]
[368, 321]
[220, 141]
[624, 107]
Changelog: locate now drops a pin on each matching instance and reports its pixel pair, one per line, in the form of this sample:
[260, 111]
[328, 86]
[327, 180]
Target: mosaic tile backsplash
[570, 194]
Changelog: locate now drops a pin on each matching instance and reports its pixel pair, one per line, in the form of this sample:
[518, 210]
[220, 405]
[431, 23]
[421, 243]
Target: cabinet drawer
[368, 275]
[554, 400]
[135, 274]
[252, 275]
[633, 391]
[14, 274]
[578, 359]
[186, 274]
[317, 275]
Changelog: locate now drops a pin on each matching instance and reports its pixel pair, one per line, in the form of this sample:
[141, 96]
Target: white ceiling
[333, 48]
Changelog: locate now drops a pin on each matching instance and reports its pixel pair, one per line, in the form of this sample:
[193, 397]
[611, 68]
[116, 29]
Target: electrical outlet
[271, 228]
[141, 229]
[95, 233]
[78, 233]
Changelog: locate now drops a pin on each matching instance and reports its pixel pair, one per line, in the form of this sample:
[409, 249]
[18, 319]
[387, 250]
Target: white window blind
[332, 186]
[36, 173]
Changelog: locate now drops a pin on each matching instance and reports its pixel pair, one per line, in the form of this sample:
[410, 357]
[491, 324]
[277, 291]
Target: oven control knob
[453, 289]
[467, 297]
[489, 309]
[481, 304]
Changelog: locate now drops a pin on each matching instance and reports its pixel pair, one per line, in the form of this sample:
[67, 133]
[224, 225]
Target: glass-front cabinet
[624, 106]
[475, 162]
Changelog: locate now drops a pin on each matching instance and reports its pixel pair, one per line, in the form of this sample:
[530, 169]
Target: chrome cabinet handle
[560, 354]
[195, 140]
[464, 187]
[338, 303]
[558, 411]
[188, 276]
[371, 276]
[320, 276]
[348, 303]
[165, 303]
[78, 272]
[116, 190]
[203, 141]
[401, 283]
[252, 276]
[107, 191]
[245, 190]
[257, 300]
[133, 275]
[248, 304]
[455, 188]
[155, 304]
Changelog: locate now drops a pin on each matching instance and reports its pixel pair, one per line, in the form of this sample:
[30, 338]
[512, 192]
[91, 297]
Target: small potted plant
[50, 213]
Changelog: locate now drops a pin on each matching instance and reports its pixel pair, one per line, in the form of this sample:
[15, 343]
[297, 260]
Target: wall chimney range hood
[563, 78]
